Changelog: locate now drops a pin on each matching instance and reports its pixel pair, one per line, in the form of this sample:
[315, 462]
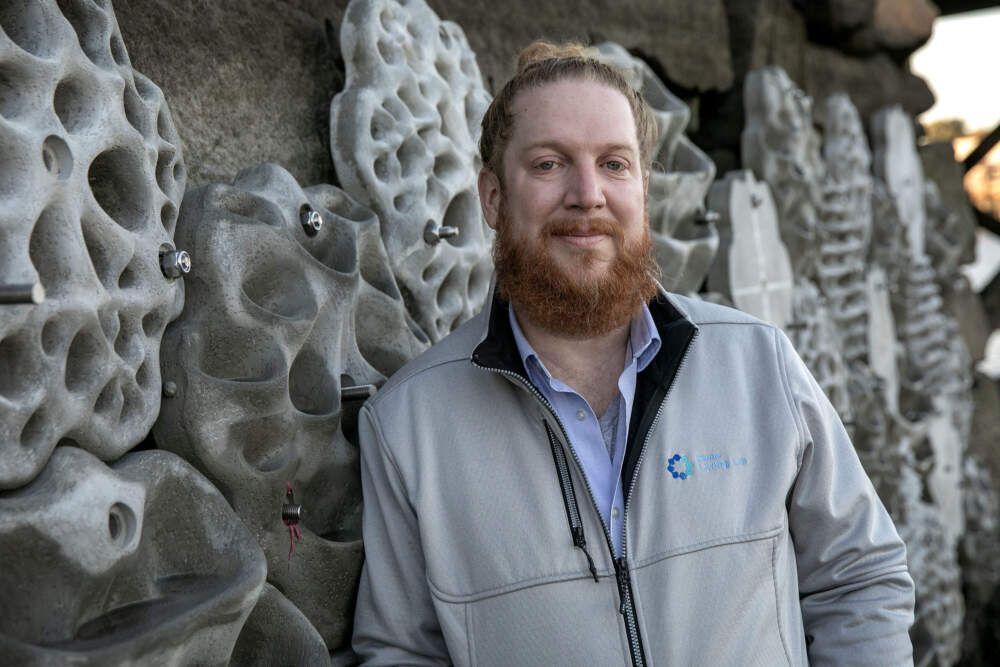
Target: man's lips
[582, 238]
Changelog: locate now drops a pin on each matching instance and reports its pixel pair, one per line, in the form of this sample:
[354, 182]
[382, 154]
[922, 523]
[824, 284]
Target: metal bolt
[311, 220]
[708, 216]
[174, 263]
[169, 388]
[22, 293]
[433, 232]
[359, 393]
[291, 514]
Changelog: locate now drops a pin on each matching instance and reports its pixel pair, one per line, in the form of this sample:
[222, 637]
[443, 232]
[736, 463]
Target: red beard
[583, 303]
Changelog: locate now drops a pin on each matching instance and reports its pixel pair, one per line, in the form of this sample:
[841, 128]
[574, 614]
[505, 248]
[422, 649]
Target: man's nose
[584, 191]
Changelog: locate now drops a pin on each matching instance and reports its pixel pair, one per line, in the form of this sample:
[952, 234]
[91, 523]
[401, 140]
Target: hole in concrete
[57, 158]
[51, 336]
[152, 323]
[100, 254]
[310, 386]
[132, 405]
[449, 294]
[463, 212]
[381, 124]
[91, 26]
[109, 400]
[168, 216]
[135, 111]
[241, 355]
[123, 342]
[118, 52]
[108, 318]
[178, 171]
[116, 180]
[35, 431]
[15, 366]
[164, 175]
[381, 167]
[281, 290]
[121, 525]
[412, 155]
[389, 52]
[447, 166]
[142, 375]
[13, 85]
[73, 105]
[404, 201]
[265, 444]
[30, 25]
[83, 360]
[46, 249]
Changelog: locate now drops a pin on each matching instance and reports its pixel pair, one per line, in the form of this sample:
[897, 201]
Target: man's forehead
[572, 113]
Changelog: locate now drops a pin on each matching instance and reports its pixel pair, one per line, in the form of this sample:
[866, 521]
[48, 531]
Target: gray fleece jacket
[752, 534]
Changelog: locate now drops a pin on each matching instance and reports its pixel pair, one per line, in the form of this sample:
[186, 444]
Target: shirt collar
[644, 342]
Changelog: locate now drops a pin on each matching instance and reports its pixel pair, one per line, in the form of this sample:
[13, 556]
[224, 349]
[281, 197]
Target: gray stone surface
[91, 178]
[683, 244]
[950, 239]
[276, 633]
[898, 166]
[845, 223]
[276, 325]
[142, 562]
[404, 135]
[781, 146]
[753, 270]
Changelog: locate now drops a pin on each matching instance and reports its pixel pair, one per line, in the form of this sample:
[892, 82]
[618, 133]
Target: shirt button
[581, 414]
[614, 512]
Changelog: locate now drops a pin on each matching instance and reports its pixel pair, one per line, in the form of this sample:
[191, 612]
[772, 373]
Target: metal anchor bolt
[174, 263]
[707, 217]
[32, 293]
[311, 220]
[169, 389]
[433, 232]
[291, 514]
[358, 393]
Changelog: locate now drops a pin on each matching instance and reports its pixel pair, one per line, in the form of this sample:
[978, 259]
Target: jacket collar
[497, 348]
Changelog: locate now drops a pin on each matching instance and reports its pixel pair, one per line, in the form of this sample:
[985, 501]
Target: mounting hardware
[311, 220]
[174, 263]
[169, 389]
[291, 514]
[359, 393]
[707, 217]
[433, 232]
[32, 293]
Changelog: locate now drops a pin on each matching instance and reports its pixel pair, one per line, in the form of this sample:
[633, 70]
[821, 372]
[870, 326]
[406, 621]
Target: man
[594, 472]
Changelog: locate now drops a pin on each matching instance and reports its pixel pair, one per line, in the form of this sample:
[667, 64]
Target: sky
[959, 63]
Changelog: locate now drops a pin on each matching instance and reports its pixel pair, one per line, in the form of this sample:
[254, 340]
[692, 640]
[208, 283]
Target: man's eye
[615, 165]
[548, 165]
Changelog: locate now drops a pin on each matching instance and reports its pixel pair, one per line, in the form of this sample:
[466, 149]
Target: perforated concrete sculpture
[276, 633]
[404, 134]
[752, 269]
[281, 319]
[845, 223]
[685, 241]
[142, 562]
[781, 146]
[91, 177]
[815, 338]
[898, 167]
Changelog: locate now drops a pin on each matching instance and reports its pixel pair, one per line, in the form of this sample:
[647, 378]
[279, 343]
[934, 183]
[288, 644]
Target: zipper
[621, 564]
[627, 606]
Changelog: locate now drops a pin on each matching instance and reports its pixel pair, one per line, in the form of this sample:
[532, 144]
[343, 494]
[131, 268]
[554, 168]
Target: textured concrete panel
[91, 178]
[276, 633]
[753, 269]
[139, 563]
[684, 244]
[277, 324]
[782, 148]
[404, 136]
[898, 166]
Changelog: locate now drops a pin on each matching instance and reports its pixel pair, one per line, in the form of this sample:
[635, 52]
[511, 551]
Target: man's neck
[591, 366]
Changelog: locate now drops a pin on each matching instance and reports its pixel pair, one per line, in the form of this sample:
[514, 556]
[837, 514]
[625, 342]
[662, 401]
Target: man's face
[571, 212]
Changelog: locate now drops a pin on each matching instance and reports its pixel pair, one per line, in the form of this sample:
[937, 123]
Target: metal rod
[984, 147]
[22, 293]
[358, 393]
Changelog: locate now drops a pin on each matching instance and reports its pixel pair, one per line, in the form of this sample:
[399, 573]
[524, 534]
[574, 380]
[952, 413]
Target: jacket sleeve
[394, 621]
[855, 591]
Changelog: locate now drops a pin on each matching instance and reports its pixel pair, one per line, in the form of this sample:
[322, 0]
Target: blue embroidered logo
[679, 466]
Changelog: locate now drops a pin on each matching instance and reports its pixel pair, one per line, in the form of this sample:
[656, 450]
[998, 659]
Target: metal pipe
[22, 293]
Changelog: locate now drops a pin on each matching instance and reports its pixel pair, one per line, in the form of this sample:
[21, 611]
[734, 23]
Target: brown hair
[541, 63]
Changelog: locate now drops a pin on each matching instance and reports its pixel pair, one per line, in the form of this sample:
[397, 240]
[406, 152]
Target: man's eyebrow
[562, 147]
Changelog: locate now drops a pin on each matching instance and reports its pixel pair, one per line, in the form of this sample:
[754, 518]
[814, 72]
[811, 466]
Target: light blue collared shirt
[603, 471]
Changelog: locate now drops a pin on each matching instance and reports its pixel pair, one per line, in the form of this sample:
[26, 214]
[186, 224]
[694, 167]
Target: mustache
[582, 226]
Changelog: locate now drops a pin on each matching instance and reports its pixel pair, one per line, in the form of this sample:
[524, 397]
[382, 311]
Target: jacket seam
[744, 538]
[860, 583]
[786, 386]
[478, 596]
[469, 635]
[777, 603]
[383, 447]
[398, 383]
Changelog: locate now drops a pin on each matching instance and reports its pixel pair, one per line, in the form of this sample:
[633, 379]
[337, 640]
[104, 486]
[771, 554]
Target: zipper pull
[621, 573]
[580, 543]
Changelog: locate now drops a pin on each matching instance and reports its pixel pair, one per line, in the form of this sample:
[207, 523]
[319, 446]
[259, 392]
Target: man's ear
[489, 196]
